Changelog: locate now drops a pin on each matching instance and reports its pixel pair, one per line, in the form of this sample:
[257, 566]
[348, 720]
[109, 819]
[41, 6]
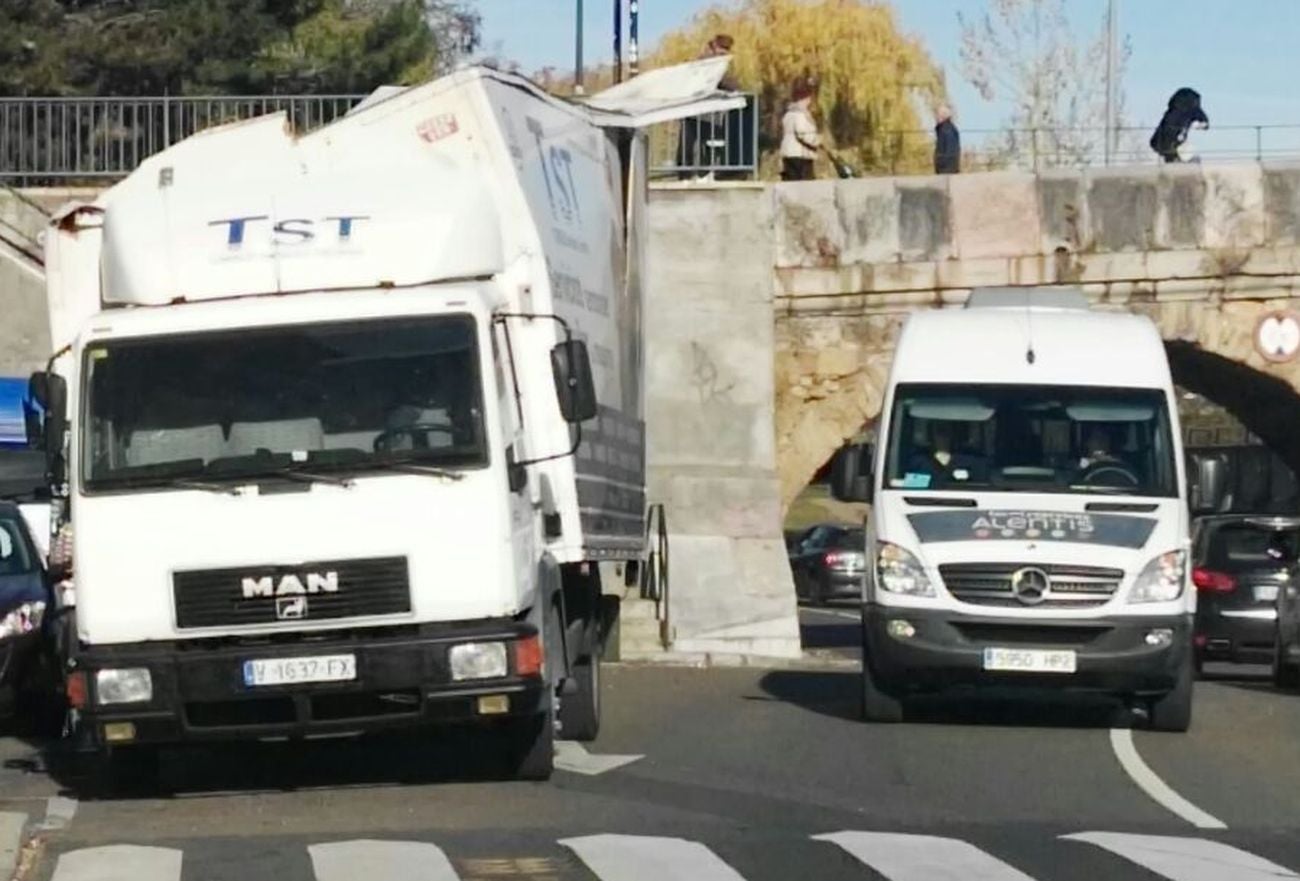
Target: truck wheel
[580, 711]
[877, 705]
[1285, 676]
[1173, 711]
[533, 747]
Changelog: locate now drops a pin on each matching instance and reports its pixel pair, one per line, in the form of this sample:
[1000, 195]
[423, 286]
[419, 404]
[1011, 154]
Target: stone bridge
[772, 313]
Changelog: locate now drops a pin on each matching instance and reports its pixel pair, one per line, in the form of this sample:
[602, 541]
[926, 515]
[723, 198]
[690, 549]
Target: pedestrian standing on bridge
[1183, 112]
[697, 144]
[947, 143]
[800, 139]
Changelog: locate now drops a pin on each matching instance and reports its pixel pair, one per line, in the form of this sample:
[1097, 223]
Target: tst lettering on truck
[1112, 530]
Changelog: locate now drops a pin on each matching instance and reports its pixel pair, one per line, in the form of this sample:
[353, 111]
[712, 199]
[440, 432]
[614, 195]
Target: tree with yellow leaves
[876, 84]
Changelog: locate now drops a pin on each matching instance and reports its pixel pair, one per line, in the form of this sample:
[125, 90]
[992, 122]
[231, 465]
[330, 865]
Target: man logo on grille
[291, 608]
[292, 584]
[1030, 586]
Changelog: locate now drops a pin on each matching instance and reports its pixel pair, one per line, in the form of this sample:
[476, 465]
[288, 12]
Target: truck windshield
[249, 403]
[1031, 439]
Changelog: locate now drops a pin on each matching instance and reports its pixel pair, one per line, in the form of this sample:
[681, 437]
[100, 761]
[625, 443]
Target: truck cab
[1029, 525]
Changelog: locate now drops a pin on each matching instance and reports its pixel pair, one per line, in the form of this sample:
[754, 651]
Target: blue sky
[1239, 54]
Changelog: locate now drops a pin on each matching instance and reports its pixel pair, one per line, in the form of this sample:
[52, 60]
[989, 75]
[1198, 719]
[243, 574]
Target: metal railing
[724, 145]
[1037, 149]
[63, 140]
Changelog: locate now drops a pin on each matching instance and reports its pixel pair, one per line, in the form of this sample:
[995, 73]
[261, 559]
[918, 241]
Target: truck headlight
[22, 620]
[1162, 579]
[132, 685]
[478, 660]
[898, 571]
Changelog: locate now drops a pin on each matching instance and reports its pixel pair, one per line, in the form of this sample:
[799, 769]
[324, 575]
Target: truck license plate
[1029, 660]
[290, 671]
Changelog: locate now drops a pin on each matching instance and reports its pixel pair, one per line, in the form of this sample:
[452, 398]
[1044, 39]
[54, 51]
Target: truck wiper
[303, 476]
[414, 466]
[225, 489]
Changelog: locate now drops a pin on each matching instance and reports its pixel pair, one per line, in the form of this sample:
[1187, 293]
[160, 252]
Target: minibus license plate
[291, 671]
[1029, 660]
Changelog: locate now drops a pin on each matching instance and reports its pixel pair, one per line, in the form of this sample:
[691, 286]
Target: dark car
[1241, 565]
[24, 596]
[827, 562]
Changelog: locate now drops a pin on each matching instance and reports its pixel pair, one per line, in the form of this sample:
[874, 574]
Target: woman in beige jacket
[799, 137]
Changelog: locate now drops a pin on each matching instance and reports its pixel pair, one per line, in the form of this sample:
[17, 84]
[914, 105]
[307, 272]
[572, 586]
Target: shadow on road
[837, 693]
[374, 761]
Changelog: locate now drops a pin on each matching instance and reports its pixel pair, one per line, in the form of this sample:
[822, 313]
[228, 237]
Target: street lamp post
[618, 41]
[577, 52]
[1111, 100]
[633, 43]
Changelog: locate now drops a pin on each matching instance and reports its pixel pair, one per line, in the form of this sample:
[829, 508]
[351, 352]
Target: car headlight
[478, 660]
[1162, 580]
[22, 620]
[898, 571]
[132, 685]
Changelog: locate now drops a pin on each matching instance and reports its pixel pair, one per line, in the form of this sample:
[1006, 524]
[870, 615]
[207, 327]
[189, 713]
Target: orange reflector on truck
[528, 656]
[77, 691]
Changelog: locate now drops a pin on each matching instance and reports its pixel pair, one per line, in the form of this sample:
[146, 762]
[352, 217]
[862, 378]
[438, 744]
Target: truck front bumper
[946, 649]
[403, 680]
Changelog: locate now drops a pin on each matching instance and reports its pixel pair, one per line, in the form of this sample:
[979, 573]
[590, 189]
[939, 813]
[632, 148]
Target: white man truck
[1029, 524]
[344, 423]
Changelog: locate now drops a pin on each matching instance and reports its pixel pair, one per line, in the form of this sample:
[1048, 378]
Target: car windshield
[1241, 547]
[15, 555]
[328, 397]
[1031, 439]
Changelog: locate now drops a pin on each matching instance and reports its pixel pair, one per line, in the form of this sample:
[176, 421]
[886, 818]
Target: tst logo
[290, 231]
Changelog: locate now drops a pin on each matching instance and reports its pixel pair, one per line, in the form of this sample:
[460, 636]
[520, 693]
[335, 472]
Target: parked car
[828, 562]
[1241, 565]
[24, 598]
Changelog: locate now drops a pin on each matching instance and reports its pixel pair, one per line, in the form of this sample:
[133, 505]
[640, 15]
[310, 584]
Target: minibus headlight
[1162, 580]
[898, 571]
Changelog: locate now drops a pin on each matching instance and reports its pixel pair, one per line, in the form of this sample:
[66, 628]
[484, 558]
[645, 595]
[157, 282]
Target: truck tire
[1285, 676]
[878, 705]
[533, 747]
[1173, 711]
[580, 710]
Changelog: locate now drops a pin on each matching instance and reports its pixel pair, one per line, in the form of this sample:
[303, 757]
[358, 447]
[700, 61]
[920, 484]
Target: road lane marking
[119, 862]
[573, 756]
[1121, 741]
[648, 858]
[922, 857]
[1187, 859]
[11, 841]
[371, 860]
[59, 812]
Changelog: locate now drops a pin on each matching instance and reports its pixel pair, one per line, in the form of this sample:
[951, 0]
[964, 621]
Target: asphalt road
[740, 770]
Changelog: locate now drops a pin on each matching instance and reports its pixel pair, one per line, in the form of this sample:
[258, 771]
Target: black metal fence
[63, 140]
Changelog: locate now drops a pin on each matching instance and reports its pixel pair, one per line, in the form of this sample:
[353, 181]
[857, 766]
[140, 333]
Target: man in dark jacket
[947, 144]
[1184, 110]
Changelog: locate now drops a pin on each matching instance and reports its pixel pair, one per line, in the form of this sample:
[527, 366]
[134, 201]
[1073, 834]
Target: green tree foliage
[877, 84]
[151, 47]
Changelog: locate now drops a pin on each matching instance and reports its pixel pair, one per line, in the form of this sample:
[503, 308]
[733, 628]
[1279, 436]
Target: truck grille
[989, 584]
[281, 594]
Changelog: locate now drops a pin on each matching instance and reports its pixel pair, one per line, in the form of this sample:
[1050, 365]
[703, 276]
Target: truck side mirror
[1211, 485]
[851, 475]
[34, 424]
[573, 382]
[51, 391]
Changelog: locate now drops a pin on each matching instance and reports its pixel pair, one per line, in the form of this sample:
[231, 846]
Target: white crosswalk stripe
[923, 857]
[647, 858]
[119, 862]
[380, 861]
[1187, 859]
[11, 841]
[889, 855]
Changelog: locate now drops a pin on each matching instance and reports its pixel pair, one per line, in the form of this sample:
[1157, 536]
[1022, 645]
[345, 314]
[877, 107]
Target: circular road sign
[1277, 336]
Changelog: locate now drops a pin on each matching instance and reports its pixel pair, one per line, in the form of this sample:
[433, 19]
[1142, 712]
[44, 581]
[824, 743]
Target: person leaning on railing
[703, 131]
